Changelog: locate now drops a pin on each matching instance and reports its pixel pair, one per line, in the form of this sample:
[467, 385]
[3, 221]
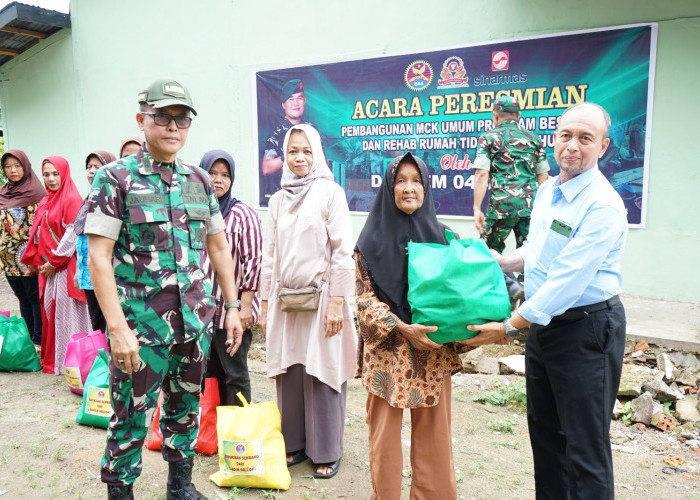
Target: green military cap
[166, 92]
[507, 104]
[291, 87]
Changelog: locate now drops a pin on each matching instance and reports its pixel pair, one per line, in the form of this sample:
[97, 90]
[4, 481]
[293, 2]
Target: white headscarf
[295, 186]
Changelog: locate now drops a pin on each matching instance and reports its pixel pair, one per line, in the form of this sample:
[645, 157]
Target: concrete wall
[76, 91]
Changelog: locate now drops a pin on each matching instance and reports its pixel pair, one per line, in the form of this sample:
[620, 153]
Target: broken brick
[662, 421]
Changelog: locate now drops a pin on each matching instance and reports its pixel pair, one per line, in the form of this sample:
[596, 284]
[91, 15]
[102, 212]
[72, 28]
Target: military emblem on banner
[418, 75]
[453, 74]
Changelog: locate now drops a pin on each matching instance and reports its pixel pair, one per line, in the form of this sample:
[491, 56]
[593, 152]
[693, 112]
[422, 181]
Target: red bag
[81, 352]
[207, 442]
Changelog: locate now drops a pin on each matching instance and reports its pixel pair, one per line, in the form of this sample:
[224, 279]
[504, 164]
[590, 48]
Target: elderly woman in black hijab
[244, 234]
[399, 365]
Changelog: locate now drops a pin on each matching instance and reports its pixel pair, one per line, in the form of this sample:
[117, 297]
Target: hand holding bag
[97, 401]
[455, 285]
[80, 355]
[251, 447]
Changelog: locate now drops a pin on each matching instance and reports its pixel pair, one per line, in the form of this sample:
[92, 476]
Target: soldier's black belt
[581, 312]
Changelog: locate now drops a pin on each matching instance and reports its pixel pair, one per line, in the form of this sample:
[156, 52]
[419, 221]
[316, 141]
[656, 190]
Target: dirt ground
[45, 454]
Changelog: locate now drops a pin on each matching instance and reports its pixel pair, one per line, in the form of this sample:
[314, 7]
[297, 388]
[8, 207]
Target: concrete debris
[687, 410]
[685, 360]
[488, 366]
[513, 364]
[642, 408]
[664, 363]
[624, 449]
[689, 376]
[618, 409]
[661, 391]
[634, 377]
[618, 437]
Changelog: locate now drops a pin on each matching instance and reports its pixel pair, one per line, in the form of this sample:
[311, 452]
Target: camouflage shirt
[513, 156]
[159, 216]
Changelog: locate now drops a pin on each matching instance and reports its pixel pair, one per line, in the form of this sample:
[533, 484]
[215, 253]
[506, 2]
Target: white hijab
[296, 187]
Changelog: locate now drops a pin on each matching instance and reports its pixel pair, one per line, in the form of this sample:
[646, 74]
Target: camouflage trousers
[497, 230]
[178, 370]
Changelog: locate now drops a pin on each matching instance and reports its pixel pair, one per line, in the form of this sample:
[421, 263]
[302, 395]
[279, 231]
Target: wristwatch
[511, 331]
[231, 305]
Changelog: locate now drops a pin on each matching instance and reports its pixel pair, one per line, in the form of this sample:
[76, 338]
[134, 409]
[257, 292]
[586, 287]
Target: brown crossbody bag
[297, 299]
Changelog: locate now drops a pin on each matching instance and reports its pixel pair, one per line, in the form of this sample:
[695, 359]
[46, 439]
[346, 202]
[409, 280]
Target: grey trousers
[313, 415]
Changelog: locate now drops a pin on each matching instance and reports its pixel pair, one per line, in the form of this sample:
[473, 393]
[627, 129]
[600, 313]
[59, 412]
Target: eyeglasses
[164, 119]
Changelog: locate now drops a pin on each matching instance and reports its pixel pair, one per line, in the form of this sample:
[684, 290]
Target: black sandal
[297, 457]
[334, 466]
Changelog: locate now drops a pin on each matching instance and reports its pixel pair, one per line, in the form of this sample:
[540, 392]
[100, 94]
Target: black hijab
[383, 241]
[227, 201]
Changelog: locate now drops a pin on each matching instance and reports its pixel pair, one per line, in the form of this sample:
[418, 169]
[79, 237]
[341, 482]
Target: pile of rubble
[659, 387]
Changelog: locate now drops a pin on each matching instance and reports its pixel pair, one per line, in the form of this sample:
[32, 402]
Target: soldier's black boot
[180, 485]
[122, 492]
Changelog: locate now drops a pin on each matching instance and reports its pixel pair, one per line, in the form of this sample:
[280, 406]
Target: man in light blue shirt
[575, 347]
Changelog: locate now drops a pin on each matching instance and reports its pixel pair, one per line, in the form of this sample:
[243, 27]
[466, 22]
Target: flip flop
[297, 457]
[334, 466]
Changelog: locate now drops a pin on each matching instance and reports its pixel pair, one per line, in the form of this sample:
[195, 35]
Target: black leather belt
[583, 311]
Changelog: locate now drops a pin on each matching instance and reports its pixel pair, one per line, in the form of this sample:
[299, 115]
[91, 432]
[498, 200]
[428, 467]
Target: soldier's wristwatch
[231, 305]
[511, 331]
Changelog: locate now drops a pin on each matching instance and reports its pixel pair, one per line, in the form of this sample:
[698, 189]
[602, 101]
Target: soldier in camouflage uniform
[514, 162]
[153, 223]
[293, 103]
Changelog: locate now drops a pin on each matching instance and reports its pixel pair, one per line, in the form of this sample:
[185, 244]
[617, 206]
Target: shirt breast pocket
[197, 218]
[149, 229]
[553, 245]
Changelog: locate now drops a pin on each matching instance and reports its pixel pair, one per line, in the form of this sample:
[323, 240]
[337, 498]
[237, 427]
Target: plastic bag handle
[243, 399]
[449, 235]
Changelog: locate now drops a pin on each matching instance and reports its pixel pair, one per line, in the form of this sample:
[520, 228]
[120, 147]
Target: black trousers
[573, 373]
[26, 289]
[231, 372]
[97, 319]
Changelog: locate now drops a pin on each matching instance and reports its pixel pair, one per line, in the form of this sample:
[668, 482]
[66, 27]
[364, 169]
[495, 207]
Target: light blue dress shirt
[583, 267]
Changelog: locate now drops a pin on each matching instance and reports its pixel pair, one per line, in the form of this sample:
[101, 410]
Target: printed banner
[436, 105]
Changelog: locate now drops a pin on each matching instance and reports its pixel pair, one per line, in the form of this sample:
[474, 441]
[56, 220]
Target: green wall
[75, 92]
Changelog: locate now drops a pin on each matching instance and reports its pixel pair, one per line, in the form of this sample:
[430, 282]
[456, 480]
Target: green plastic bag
[17, 353]
[97, 402]
[455, 285]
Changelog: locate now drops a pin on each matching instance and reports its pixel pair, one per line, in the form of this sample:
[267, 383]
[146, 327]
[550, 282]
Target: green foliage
[505, 444]
[505, 425]
[269, 494]
[626, 416]
[509, 395]
[236, 493]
